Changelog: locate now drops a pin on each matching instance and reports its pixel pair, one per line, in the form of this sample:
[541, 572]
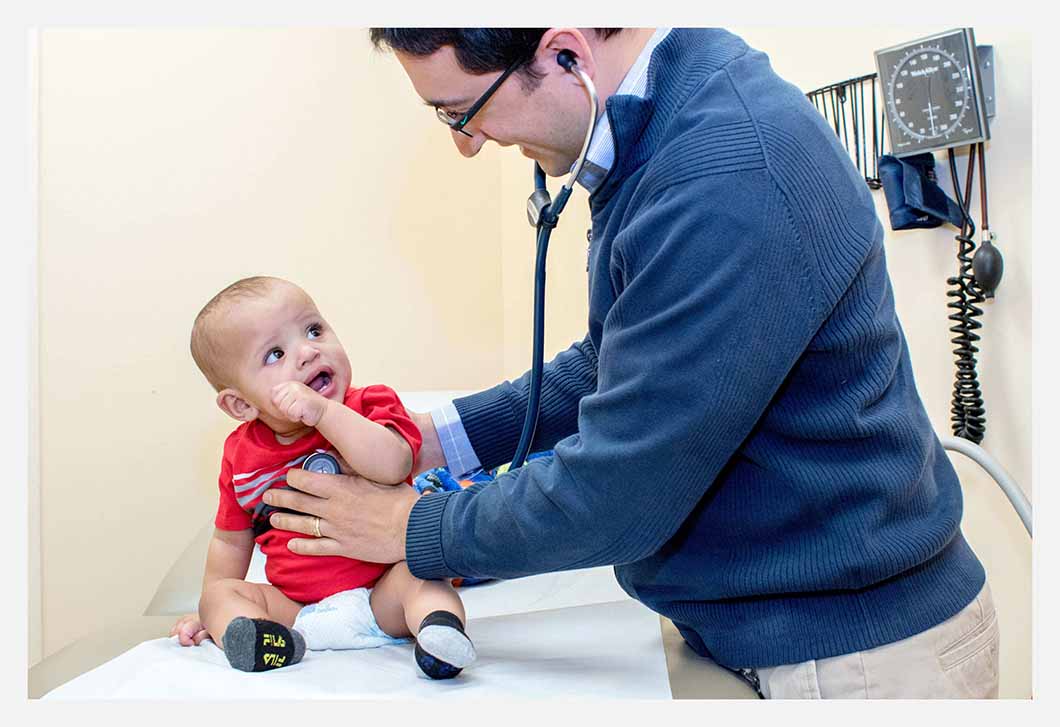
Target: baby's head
[260, 332]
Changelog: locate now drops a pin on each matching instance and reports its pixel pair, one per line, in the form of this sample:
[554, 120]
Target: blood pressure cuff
[914, 197]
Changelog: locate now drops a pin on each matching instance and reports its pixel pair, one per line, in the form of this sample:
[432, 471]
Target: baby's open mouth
[320, 381]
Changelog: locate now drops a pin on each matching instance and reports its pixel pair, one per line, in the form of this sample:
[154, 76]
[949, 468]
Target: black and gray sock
[442, 647]
[257, 644]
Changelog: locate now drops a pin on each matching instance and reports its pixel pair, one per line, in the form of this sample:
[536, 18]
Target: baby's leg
[252, 623]
[429, 610]
[400, 601]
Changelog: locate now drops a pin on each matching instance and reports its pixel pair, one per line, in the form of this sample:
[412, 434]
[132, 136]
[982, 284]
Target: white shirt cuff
[459, 456]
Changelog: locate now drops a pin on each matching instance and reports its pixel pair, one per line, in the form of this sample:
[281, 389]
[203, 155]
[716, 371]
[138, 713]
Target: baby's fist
[299, 403]
[189, 630]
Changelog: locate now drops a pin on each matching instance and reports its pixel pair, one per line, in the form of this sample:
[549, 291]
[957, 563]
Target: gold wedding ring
[316, 527]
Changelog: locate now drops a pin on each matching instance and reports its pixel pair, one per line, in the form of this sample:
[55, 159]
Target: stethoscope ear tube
[543, 213]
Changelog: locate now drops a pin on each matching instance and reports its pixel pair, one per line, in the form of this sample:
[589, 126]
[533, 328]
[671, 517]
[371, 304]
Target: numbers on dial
[929, 94]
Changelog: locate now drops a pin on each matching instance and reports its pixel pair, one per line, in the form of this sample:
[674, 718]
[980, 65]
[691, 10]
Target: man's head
[260, 332]
[541, 108]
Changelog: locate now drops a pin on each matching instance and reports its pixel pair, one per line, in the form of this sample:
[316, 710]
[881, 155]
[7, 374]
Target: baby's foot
[442, 647]
[257, 644]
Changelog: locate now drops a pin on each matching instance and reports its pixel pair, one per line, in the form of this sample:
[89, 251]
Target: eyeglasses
[457, 122]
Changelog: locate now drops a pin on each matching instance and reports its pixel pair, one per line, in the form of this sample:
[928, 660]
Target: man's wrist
[423, 536]
[404, 521]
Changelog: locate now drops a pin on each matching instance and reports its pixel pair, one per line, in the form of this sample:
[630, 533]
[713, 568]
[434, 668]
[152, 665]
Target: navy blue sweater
[739, 433]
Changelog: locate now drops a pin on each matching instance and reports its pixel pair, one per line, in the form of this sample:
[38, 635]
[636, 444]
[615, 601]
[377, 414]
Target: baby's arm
[372, 450]
[375, 452]
[228, 556]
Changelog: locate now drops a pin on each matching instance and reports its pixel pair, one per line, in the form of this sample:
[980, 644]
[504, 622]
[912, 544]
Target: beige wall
[176, 161]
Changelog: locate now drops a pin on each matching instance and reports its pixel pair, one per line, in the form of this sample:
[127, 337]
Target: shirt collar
[601, 154]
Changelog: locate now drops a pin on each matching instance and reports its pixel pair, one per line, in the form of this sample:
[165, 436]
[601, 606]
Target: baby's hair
[205, 347]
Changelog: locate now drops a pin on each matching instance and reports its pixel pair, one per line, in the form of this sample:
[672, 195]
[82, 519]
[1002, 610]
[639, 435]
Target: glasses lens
[447, 117]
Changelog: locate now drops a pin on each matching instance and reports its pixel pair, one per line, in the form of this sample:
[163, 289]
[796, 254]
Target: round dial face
[929, 96]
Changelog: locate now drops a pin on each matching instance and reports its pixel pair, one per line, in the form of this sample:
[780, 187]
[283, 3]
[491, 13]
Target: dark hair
[478, 50]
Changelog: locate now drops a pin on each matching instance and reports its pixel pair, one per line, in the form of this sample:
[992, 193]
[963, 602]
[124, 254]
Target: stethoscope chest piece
[322, 463]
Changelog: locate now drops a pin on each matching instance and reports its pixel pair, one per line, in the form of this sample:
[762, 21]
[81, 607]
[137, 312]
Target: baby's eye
[315, 331]
[273, 356]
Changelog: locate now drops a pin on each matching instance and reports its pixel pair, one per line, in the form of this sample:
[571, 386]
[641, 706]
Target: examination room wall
[919, 263]
[173, 162]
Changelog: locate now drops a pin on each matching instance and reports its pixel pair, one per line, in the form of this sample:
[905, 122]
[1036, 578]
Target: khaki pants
[955, 660]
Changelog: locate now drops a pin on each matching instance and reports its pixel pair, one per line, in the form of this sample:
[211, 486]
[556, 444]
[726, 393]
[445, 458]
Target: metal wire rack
[859, 119]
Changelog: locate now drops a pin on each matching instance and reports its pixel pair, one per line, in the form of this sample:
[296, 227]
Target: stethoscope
[543, 214]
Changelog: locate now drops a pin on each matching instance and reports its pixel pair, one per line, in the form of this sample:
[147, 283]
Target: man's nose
[469, 145]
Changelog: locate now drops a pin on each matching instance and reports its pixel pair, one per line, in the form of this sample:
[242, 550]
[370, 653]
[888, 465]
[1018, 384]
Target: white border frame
[35, 599]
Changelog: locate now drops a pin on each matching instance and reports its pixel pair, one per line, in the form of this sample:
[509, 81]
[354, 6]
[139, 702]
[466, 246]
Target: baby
[279, 369]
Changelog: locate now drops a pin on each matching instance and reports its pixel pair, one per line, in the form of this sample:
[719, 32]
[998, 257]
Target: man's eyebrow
[446, 103]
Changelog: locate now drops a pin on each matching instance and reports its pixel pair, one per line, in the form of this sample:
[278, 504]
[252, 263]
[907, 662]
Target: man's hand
[358, 518]
[299, 403]
[189, 630]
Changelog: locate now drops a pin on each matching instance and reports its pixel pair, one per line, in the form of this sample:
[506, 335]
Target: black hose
[967, 414]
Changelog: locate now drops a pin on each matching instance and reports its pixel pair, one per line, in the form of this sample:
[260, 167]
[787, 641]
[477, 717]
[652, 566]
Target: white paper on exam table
[608, 650]
[533, 593]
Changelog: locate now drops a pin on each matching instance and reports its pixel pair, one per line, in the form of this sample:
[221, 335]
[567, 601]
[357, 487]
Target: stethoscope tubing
[549, 218]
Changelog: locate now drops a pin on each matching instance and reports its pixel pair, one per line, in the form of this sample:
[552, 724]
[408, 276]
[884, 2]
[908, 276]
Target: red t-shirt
[254, 461]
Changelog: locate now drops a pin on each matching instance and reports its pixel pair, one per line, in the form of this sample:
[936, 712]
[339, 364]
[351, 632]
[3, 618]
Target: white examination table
[561, 635]
[557, 635]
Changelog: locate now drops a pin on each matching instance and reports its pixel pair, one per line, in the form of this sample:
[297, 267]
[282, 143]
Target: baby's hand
[299, 403]
[189, 630]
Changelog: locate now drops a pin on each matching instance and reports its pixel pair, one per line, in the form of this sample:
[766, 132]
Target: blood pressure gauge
[933, 93]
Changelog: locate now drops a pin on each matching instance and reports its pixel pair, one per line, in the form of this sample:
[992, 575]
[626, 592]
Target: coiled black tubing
[967, 414]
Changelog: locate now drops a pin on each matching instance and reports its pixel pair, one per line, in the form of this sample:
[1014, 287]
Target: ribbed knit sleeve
[493, 419]
[694, 347]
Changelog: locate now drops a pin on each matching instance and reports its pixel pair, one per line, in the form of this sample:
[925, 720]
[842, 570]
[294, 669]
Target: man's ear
[234, 405]
[557, 39]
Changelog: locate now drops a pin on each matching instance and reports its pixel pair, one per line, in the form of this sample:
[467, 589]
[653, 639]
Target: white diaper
[342, 621]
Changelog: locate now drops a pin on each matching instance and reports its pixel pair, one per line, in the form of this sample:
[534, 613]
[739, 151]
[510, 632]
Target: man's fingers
[312, 483]
[294, 500]
[294, 523]
[314, 546]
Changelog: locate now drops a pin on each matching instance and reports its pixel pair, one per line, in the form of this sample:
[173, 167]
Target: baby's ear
[234, 405]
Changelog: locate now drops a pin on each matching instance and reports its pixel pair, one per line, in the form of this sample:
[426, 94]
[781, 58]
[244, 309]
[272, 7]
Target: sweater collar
[680, 63]
[601, 153]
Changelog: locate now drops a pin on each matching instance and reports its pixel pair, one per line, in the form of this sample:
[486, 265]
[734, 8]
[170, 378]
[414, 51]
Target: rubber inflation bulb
[988, 267]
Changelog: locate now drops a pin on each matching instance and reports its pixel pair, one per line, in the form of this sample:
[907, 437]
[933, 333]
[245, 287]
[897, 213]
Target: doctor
[739, 432]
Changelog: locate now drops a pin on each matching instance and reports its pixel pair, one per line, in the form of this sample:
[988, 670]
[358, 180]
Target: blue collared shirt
[459, 456]
[601, 154]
